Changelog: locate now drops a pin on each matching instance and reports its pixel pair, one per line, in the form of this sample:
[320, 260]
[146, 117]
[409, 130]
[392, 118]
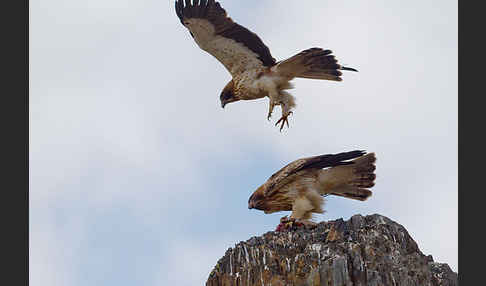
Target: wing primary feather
[221, 10]
[188, 9]
[203, 6]
[225, 27]
[210, 3]
[330, 160]
[196, 9]
[179, 10]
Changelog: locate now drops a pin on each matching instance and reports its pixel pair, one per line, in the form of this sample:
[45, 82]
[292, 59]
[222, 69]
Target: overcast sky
[138, 177]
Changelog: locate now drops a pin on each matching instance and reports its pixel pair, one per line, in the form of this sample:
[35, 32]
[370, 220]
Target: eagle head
[228, 95]
[257, 200]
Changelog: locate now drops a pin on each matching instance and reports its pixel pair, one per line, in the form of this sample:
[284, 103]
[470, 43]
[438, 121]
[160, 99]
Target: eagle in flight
[255, 73]
[300, 186]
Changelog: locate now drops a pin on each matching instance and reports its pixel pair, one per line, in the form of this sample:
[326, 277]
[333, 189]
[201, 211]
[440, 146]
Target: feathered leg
[302, 210]
[271, 106]
[287, 103]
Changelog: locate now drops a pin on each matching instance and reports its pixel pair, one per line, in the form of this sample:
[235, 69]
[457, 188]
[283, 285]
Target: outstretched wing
[237, 48]
[291, 171]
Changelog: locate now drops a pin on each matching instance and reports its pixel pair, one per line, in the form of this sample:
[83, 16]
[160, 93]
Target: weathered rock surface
[371, 250]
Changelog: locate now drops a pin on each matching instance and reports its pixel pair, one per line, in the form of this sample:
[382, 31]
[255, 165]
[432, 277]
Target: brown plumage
[300, 186]
[255, 73]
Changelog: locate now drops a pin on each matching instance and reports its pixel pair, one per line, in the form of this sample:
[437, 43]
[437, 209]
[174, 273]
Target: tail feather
[349, 69]
[350, 181]
[314, 63]
[353, 193]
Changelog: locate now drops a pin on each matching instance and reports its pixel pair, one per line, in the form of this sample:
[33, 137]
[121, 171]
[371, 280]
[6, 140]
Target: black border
[15, 119]
[471, 130]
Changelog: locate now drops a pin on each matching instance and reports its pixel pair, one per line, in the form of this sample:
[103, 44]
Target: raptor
[301, 185]
[255, 73]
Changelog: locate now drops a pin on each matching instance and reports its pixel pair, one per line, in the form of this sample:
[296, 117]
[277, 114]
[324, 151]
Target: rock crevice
[364, 250]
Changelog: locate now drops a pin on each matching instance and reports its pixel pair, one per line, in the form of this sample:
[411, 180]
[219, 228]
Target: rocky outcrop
[371, 250]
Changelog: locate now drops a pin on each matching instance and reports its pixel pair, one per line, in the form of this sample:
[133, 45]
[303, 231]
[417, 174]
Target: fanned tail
[314, 63]
[350, 181]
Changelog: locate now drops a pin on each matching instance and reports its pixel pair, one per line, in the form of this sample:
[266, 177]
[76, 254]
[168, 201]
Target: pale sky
[138, 177]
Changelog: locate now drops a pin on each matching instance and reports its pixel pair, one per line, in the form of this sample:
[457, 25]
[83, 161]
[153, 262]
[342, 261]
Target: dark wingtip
[348, 69]
[354, 154]
[179, 6]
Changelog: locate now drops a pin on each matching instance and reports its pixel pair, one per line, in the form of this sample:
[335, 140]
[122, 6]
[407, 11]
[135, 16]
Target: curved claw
[284, 119]
[292, 224]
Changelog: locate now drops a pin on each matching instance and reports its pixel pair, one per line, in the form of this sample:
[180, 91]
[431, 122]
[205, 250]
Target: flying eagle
[300, 186]
[255, 73]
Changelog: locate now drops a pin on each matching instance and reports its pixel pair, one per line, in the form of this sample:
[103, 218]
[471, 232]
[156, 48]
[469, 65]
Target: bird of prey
[300, 186]
[255, 73]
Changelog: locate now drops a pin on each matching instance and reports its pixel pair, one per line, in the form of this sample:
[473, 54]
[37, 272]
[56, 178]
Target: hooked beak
[223, 104]
[250, 205]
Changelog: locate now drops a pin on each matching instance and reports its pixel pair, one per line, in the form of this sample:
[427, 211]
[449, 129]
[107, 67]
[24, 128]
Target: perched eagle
[255, 73]
[300, 186]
